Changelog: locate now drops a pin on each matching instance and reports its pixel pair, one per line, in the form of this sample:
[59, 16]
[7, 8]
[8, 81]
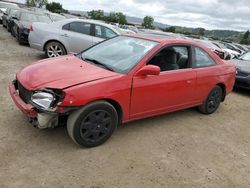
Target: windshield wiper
[99, 63]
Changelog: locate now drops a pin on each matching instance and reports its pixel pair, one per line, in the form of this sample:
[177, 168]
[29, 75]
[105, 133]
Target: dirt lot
[183, 149]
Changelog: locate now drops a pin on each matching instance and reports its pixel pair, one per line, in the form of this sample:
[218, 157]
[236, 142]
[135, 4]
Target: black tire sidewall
[76, 130]
[217, 88]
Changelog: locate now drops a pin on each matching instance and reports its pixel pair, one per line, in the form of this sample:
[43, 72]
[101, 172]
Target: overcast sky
[210, 14]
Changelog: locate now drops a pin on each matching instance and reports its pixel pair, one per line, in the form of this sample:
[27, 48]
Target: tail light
[31, 28]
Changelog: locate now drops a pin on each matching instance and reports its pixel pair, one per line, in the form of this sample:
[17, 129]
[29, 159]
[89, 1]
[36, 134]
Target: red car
[120, 80]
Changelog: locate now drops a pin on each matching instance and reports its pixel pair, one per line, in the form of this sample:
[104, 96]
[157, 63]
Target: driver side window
[172, 58]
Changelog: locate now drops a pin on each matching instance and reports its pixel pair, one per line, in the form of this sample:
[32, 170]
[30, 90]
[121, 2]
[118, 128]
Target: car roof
[166, 39]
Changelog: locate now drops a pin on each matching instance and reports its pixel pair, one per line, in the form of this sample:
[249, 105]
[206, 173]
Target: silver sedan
[69, 36]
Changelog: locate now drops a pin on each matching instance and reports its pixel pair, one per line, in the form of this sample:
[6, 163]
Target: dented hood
[61, 72]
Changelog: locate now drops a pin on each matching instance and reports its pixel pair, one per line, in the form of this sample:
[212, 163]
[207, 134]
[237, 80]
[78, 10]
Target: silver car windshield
[119, 54]
[245, 56]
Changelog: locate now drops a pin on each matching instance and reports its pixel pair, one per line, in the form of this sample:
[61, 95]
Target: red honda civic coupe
[119, 80]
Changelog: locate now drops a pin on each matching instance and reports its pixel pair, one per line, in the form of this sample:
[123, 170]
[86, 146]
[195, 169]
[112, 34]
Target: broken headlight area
[47, 99]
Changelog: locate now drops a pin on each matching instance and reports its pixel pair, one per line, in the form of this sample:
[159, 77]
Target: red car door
[173, 89]
[168, 91]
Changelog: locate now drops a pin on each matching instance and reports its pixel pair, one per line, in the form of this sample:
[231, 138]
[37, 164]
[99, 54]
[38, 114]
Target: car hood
[60, 73]
[242, 65]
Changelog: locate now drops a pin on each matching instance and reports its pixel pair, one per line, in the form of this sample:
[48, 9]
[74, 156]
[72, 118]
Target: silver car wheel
[54, 51]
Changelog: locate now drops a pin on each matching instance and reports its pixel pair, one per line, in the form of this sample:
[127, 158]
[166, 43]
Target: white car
[69, 35]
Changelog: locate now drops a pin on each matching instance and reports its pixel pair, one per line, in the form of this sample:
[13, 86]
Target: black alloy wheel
[213, 101]
[93, 124]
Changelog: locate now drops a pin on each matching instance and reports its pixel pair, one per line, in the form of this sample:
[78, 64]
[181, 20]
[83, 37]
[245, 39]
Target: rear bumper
[34, 41]
[242, 82]
[27, 109]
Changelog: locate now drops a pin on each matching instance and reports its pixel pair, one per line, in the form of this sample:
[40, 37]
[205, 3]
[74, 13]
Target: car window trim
[94, 34]
[78, 32]
[190, 54]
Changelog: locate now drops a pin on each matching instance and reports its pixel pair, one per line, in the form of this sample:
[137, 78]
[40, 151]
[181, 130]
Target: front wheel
[93, 124]
[212, 102]
[54, 49]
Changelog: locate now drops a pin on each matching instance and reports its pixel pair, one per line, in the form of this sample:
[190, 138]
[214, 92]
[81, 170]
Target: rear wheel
[19, 38]
[54, 49]
[93, 124]
[213, 101]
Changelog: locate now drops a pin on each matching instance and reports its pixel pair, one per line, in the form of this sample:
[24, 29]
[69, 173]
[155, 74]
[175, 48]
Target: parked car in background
[7, 17]
[69, 36]
[231, 52]
[209, 44]
[242, 47]
[3, 8]
[22, 21]
[242, 71]
[119, 80]
[233, 47]
[129, 27]
[56, 17]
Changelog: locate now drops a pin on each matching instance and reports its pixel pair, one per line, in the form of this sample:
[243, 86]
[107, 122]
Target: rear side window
[104, 32]
[65, 27]
[79, 27]
[202, 59]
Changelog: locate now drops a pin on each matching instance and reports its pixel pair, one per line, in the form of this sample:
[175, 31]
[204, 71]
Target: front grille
[24, 94]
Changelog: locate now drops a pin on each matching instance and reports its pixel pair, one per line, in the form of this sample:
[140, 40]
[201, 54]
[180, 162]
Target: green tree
[36, 3]
[201, 31]
[246, 39]
[55, 7]
[170, 29]
[117, 17]
[96, 14]
[148, 22]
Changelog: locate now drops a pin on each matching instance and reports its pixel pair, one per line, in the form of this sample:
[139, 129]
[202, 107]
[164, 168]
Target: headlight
[43, 99]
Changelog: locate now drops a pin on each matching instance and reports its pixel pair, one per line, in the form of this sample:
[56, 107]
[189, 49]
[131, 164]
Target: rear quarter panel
[209, 77]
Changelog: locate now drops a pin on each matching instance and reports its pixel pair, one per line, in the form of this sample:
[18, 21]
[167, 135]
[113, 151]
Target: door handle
[65, 35]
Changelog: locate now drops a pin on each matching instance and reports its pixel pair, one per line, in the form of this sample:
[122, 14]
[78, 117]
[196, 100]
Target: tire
[19, 38]
[93, 124]
[212, 102]
[54, 49]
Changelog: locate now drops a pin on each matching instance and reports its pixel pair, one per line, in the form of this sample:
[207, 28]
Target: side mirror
[149, 70]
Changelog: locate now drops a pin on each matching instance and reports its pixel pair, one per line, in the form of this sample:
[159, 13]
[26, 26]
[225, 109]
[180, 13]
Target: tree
[36, 3]
[170, 29]
[201, 31]
[96, 14]
[117, 17]
[148, 22]
[246, 39]
[55, 7]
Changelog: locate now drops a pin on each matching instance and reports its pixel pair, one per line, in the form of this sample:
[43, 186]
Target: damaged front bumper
[38, 119]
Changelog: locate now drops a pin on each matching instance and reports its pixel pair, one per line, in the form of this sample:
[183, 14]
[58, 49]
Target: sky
[209, 14]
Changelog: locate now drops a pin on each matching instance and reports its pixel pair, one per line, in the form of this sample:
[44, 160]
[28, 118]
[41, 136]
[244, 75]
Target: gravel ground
[183, 149]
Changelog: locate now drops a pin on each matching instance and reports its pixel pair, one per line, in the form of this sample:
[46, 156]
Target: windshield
[44, 18]
[245, 57]
[7, 5]
[29, 17]
[13, 11]
[57, 17]
[120, 54]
